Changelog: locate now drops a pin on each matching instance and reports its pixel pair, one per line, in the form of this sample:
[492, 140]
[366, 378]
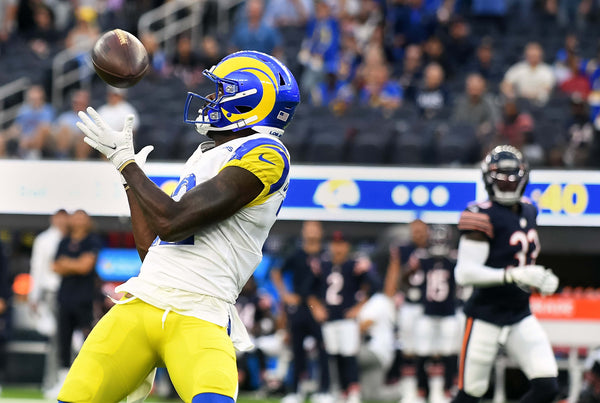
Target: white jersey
[202, 276]
[380, 309]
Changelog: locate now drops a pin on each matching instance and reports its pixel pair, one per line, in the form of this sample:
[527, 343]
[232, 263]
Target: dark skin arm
[142, 233]
[207, 203]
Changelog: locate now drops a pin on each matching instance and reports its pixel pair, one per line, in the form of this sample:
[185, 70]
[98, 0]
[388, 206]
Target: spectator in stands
[68, 142]
[117, 108]
[186, 62]
[561, 68]
[411, 22]
[75, 262]
[43, 38]
[580, 134]
[458, 44]
[486, 62]
[577, 81]
[8, 20]
[570, 13]
[476, 107]
[349, 58]
[531, 79]
[379, 91]
[158, 58]
[45, 282]
[431, 97]
[493, 12]
[289, 13]
[320, 48]
[332, 92]
[211, 52]
[434, 52]
[253, 32]
[29, 134]
[5, 308]
[515, 127]
[412, 70]
[82, 37]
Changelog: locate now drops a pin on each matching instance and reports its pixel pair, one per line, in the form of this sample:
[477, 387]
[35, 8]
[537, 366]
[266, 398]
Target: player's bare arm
[205, 204]
[142, 233]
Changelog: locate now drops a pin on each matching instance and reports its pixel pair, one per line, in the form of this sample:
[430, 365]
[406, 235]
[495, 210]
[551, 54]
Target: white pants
[525, 342]
[436, 335]
[341, 337]
[408, 316]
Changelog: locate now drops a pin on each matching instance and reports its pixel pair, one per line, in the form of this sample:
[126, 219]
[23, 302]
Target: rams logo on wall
[336, 193]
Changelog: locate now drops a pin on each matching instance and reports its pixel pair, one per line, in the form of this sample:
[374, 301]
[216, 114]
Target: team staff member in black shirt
[301, 324]
[75, 261]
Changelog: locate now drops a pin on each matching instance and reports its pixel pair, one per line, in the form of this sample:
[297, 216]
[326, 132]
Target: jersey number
[437, 288]
[335, 283]
[524, 240]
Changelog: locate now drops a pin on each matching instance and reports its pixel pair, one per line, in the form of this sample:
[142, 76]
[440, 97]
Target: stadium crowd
[444, 79]
[400, 82]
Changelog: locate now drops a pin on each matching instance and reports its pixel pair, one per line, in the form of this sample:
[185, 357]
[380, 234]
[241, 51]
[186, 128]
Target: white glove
[550, 283]
[140, 160]
[526, 276]
[116, 146]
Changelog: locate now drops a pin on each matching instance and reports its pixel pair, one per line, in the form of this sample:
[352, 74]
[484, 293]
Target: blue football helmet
[252, 89]
[505, 174]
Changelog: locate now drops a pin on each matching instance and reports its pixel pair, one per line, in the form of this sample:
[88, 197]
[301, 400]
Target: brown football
[119, 58]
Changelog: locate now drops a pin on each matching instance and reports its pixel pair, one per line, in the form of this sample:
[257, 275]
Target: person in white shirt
[117, 109]
[42, 297]
[531, 79]
[376, 321]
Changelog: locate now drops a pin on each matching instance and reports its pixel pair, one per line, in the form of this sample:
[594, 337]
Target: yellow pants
[129, 341]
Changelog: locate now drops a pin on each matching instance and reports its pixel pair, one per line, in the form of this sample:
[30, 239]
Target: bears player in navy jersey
[436, 330]
[496, 255]
[335, 300]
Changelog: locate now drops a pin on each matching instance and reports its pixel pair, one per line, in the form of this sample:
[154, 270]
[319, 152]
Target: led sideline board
[328, 193]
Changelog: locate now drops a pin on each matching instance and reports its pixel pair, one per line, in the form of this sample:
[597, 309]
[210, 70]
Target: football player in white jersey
[198, 247]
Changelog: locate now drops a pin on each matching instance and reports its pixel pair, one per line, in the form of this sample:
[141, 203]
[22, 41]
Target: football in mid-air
[120, 59]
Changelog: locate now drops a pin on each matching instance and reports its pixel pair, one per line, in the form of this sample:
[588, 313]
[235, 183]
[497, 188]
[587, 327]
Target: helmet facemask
[252, 90]
[505, 175]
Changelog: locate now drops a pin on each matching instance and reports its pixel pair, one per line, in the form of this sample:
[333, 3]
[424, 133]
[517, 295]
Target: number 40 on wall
[567, 198]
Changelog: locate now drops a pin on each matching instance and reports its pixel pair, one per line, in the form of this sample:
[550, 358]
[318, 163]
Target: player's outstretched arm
[207, 203]
[473, 251]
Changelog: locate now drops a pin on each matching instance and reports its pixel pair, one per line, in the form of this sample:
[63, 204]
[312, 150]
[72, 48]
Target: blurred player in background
[300, 322]
[411, 308]
[376, 321]
[199, 246]
[42, 297]
[496, 255]
[337, 293]
[436, 330]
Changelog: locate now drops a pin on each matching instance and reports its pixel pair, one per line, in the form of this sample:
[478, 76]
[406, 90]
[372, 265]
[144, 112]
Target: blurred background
[394, 89]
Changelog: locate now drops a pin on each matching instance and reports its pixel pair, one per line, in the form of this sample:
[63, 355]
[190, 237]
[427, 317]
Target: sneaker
[354, 397]
[52, 393]
[292, 398]
[322, 398]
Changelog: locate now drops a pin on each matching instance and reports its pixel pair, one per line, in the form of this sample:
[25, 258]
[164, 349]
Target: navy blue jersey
[299, 265]
[513, 242]
[438, 288]
[412, 276]
[339, 286]
[76, 288]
